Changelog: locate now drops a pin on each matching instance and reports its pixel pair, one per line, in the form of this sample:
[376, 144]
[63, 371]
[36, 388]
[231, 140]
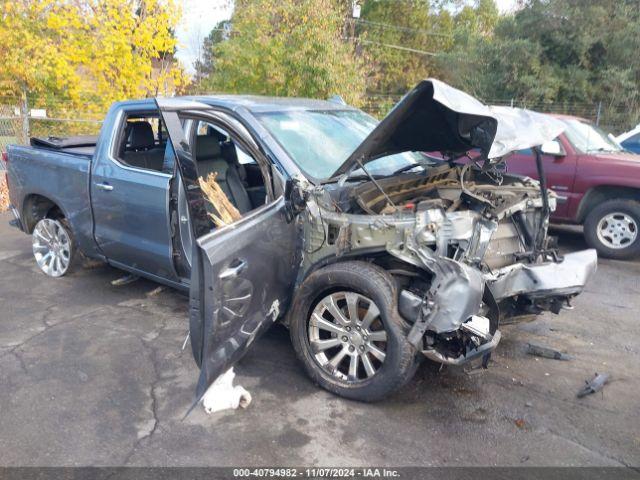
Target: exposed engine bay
[468, 247]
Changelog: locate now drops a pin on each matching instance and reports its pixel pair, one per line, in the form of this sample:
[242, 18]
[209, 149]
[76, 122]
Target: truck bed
[83, 146]
[57, 175]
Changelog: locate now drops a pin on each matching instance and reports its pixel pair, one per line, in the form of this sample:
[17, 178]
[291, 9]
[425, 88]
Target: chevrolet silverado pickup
[597, 183]
[374, 254]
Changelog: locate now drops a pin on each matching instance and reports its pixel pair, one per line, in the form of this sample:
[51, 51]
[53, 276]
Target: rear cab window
[143, 143]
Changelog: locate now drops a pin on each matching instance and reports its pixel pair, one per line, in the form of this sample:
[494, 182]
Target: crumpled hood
[437, 117]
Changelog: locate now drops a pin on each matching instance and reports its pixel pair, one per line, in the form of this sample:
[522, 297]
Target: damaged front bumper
[485, 348]
[451, 323]
[554, 279]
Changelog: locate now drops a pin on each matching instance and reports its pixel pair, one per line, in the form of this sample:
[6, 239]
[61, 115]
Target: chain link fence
[613, 118]
[17, 128]
[11, 126]
[19, 121]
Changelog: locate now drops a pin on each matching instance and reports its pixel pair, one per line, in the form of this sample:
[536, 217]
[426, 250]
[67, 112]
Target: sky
[200, 16]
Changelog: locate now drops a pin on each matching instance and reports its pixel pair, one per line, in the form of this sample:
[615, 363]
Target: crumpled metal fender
[455, 294]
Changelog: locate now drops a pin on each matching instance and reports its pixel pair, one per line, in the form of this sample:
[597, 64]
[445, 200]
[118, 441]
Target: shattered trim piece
[594, 385]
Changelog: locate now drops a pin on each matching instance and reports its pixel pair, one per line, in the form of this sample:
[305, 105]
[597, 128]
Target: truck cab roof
[253, 103]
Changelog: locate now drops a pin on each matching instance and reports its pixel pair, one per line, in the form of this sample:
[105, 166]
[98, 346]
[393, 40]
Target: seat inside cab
[237, 173]
[143, 144]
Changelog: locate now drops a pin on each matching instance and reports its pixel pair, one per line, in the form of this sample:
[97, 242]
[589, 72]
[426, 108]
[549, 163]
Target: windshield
[587, 137]
[320, 141]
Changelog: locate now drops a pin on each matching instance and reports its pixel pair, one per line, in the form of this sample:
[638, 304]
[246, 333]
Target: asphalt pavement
[93, 374]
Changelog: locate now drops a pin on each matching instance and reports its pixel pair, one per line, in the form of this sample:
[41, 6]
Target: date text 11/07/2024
[363, 472]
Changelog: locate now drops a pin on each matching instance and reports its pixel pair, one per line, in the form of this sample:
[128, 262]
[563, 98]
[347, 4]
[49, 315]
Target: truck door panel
[248, 273]
[131, 217]
[242, 274]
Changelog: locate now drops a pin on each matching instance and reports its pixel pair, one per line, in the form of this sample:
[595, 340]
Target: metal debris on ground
[594, 385]
[475, 371]
[155, 291]
[90, 263]
[546, 352]
[126, 280]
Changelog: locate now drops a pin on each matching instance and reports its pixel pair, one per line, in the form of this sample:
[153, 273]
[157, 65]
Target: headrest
[213, 132]
[228, 151]
[141, 135]
[207, 148]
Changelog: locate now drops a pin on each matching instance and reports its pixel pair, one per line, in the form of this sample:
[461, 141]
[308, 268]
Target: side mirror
[295, 200]
[614, 139]
[553, 148]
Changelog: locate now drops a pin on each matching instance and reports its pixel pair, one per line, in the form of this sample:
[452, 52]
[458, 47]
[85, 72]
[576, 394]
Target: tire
[612, 229]
[54, 246]
[368, 284]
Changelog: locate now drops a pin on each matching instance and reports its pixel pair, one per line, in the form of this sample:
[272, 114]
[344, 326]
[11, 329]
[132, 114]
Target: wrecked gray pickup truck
[374, 253]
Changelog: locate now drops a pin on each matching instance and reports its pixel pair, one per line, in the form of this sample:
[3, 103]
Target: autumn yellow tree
[87, 54]
[30, 49]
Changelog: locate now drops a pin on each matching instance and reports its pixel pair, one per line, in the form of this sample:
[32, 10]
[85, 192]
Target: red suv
[597, 184]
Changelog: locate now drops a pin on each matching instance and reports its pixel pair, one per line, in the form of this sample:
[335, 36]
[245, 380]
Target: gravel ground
[94, 374]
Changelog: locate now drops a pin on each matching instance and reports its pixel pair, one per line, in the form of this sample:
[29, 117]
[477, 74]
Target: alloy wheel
[617, 230]
[51, 247]
[347, 336]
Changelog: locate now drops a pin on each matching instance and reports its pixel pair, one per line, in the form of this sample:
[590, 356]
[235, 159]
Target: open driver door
[242, 274]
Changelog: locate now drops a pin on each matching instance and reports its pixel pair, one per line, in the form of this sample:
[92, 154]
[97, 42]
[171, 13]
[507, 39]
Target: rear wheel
[612, 228]
[347, 331]
[53, 246]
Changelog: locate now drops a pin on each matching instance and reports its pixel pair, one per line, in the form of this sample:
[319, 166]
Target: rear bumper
[565, 278]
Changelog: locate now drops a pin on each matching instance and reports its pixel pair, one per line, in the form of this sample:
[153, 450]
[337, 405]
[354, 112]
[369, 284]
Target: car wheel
[53, 246]
[612, 228]
[346, 330]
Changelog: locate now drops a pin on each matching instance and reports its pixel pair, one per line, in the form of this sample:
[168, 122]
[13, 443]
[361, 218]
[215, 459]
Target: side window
[632, 143]
[236, 171]
[142, 143]
[210, 136]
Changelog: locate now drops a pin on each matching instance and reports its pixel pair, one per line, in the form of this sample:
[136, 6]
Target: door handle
[233, 272]
[104, 186]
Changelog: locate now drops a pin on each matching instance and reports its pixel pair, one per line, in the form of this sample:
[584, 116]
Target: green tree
[569, 54]
[405, 40]
[205, 65]
[288, 48]
[402, 39]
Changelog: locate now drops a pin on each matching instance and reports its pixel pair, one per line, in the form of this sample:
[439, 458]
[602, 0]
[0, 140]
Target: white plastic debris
[222, 395]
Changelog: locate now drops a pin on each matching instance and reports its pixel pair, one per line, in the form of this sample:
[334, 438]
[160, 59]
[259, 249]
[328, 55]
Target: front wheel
[53, 246]
[346, 330]
[612, 229]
